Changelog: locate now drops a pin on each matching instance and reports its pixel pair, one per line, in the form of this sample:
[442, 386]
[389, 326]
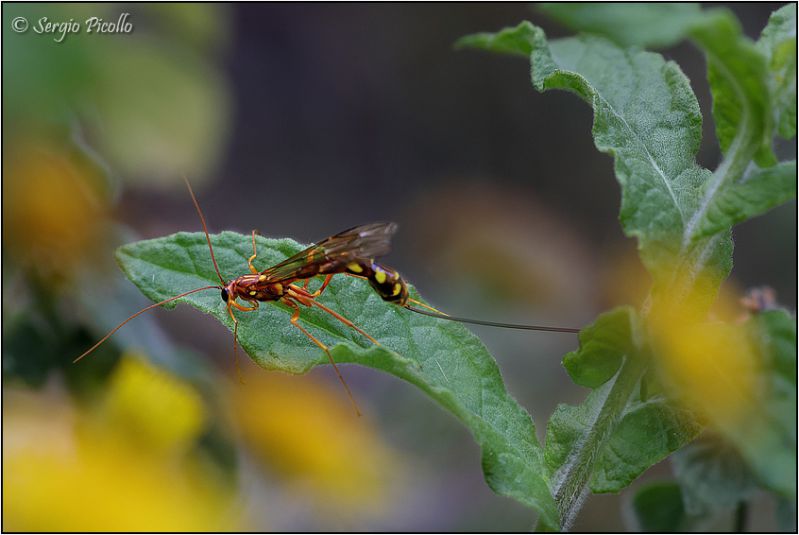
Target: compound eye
[224, 295]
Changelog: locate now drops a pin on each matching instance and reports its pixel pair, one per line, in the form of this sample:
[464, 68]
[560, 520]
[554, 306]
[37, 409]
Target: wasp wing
[331, 254]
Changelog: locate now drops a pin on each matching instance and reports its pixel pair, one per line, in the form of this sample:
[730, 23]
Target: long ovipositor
[391, 287]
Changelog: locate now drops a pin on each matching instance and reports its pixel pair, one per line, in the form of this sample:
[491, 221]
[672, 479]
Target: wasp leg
[321, 289]
[294, 321]
[230, 304]
[254, 254]
[308, 300]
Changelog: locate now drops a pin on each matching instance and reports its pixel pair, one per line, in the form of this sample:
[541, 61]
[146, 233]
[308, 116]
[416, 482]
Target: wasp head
[229, 291]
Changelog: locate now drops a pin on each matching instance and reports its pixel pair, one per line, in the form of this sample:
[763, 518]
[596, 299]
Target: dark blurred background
[311, 118]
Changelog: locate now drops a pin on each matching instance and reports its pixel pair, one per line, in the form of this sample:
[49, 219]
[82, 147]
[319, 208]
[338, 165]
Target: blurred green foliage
[152, 103]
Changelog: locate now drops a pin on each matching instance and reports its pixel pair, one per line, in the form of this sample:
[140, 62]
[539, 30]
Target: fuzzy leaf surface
[736, 68]
[778, 44]
[736, 71]
[658, 507]
[646, 116]
[753, 86]
[603, 345]
[758, 192]
[630, 24]
[648, 432]
[645, 434]
[442, 358]
[769, 444]
[712, 475]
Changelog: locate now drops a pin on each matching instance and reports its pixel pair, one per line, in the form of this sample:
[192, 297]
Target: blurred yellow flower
[54, 213]
[155, 408]
[710, 365]
[309, 432]
[66, 469]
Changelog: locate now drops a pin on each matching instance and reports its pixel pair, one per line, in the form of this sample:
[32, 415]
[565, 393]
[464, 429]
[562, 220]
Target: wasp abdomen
[388, 284]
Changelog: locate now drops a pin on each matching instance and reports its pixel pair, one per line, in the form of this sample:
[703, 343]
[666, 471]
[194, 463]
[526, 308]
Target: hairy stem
[740, 153]
[735, 162]
[570, 482]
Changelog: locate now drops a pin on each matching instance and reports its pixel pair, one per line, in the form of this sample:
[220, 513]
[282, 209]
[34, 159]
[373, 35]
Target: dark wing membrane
[363, 242]
[358, 243]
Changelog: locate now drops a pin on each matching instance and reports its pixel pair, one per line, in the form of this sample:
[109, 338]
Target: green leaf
[628, 24]
[776, 333]
[769, 443]
[736, 68]
[516, 41]
[778, 44]
[647, 433]
[658, 507]
[647, 117]
[442, 358]
[757, 193]
[712, 475]
[741, 85]
[603, 345]
[741, 103]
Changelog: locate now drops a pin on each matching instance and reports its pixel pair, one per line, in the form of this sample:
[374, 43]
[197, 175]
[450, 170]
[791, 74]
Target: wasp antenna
[205, 229]
[493, 323]
[142, 311]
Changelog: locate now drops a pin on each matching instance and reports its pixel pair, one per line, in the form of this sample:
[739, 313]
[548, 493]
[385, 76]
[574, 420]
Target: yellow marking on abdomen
[397, 289]
[380, 276]
[262, 278]
[253, 292]
[355, 267]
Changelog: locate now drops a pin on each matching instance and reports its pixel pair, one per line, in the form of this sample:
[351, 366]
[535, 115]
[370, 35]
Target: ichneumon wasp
[351, 252]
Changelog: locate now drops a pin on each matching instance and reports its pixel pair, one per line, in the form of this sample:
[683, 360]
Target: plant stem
[741, 515]
[571, 481]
